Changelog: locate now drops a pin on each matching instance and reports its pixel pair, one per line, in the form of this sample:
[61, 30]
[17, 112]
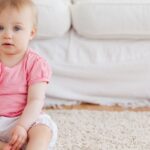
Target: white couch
[99, 50]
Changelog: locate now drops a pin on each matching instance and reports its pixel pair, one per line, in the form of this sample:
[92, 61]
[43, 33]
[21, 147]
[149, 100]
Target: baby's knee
[40, 131]
[4, 146]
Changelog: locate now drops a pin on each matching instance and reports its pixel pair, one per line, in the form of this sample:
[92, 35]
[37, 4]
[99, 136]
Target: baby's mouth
[8, 44]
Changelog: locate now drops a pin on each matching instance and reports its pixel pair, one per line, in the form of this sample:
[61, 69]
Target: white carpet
[100, 130]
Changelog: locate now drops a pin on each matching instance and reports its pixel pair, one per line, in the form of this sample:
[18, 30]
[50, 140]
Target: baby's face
[16, 30]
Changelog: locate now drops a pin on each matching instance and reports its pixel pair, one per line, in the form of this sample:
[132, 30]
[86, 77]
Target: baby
[23, 79]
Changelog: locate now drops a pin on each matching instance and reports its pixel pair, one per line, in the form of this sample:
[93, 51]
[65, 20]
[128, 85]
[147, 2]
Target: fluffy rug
[101, 130]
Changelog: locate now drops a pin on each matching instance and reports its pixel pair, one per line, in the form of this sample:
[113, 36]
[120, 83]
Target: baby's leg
[4, 146]
[39, 137]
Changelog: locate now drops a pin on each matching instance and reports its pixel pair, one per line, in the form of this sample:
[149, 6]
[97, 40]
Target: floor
[101, 108]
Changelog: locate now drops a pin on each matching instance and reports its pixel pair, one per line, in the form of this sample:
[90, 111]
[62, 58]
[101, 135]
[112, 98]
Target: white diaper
[6, 124]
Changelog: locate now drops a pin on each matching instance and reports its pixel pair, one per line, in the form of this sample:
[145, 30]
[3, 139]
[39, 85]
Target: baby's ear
[33, 33]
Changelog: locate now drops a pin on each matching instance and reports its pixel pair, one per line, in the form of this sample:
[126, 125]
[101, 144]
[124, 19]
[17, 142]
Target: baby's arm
[36, 95]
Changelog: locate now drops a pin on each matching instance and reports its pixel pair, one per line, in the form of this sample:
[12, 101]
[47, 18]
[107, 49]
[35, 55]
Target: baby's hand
[19, 137]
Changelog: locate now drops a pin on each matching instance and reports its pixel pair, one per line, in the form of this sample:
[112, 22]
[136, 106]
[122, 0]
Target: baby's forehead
[19, 6]
[18, 11]
[27, 10]
[15, 16]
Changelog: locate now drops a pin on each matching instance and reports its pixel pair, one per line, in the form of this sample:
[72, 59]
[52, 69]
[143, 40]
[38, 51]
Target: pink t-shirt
[14, 82]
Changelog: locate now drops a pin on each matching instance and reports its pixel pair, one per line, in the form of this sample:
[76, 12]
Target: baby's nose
[7, 34]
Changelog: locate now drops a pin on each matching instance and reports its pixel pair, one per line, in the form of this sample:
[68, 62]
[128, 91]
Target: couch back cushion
[53, 18]
[100, 19]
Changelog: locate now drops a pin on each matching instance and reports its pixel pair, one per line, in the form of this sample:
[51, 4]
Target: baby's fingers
[18, 144]
[13, 139]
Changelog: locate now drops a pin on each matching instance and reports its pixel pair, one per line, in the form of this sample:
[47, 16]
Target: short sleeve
[40, 72]
[0, 71]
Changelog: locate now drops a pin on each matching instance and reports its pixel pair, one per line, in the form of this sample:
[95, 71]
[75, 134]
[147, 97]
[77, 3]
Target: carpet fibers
[102, 130]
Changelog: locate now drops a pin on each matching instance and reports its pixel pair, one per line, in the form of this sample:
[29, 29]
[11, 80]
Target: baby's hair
[18, 5]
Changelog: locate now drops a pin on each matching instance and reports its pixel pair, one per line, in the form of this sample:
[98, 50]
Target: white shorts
[6, 124]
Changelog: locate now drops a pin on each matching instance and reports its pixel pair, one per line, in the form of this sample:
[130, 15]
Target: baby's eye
[17, 28]
[1, 28]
